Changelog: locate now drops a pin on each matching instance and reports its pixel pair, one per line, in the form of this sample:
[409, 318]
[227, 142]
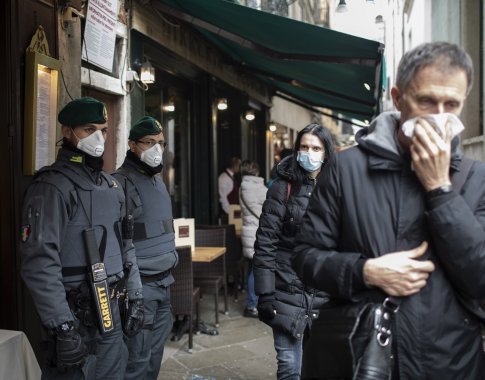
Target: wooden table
[207, 254]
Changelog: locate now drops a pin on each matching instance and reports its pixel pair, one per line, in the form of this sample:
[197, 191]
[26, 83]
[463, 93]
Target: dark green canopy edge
[314, 65]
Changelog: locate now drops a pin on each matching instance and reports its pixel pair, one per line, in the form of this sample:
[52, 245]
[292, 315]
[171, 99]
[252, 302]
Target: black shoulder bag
[371, 337]
[371, 341]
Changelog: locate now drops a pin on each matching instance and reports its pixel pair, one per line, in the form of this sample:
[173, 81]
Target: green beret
[145, 126]
[85, 110]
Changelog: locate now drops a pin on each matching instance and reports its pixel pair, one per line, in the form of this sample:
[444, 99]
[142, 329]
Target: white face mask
[153, 156]
[93, 144]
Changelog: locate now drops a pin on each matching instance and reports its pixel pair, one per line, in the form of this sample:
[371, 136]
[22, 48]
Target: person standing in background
[274, 174]
[72, 214]
[285, 303]
[252, 195]
[150, 205]
[228, 186]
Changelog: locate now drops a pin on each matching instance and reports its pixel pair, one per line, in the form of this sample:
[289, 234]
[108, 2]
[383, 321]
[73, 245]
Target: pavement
[243, 349]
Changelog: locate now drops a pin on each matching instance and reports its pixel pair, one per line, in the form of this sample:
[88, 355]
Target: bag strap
[246, 205]
[288, 192]
[459, 178]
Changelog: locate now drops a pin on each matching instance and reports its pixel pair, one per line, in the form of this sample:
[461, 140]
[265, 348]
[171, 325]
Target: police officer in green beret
[154, 241]
[75, 259]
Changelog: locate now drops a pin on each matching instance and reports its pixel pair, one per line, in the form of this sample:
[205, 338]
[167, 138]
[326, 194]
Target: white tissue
[436, 120]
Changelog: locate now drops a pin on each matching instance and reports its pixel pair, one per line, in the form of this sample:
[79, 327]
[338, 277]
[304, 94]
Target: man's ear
[66, 131]
[396, 97]
[131, 145]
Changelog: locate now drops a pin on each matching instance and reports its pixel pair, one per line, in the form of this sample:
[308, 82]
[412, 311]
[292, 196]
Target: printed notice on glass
[44, 129]
[100, 33]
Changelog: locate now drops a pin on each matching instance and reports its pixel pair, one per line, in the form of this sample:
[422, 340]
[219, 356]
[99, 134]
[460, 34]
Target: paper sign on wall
[100, 33]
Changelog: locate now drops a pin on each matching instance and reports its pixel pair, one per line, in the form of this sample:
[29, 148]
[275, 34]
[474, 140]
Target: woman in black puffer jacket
[284, 302]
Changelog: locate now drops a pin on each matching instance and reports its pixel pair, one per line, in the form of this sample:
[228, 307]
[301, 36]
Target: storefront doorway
[169, 101]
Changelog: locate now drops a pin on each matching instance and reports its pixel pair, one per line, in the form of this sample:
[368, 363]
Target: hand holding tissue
[438, 121]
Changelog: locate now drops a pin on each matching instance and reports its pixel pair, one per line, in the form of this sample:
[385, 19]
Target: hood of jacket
[381, 140]
[285, 170]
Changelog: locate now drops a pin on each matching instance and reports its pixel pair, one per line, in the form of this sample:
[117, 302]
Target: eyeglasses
[152, 143]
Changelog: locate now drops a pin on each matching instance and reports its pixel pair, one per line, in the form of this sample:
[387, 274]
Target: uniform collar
[69, 153]
[133, 161]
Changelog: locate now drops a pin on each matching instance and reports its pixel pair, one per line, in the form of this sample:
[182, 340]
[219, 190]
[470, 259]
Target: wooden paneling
[19, 20]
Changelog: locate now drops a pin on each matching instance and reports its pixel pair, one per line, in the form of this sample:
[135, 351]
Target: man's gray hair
[446, 55]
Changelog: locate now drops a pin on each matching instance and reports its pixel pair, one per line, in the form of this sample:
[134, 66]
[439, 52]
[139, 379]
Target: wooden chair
[211, 277]
[234, 259]
[184, 296]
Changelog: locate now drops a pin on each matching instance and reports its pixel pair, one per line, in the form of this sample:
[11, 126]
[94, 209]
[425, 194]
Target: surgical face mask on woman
[92, 144]
[310, 161]
[153, 156]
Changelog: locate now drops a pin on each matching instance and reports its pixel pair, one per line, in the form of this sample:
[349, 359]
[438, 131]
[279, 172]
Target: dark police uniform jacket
[150, 204]
[63, 200]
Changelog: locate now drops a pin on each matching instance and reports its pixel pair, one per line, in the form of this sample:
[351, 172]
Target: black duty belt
[74, 271]
[155, 277]
[150, 229]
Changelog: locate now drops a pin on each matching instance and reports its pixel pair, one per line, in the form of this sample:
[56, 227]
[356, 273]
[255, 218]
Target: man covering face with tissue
[153, 235]
[388, 218]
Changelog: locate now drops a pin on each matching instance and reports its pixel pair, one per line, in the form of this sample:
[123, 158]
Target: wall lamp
[222, 104]
[147, 71]
[341, 7]
[273, 127]
[70, 15]
[250, 116]
[170, 106]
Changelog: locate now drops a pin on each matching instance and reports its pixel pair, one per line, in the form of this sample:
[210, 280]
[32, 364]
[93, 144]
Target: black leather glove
[266, 309]
[134, 317]
[70, 348]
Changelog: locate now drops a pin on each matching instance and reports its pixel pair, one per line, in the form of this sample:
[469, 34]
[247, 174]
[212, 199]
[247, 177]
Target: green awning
[314, 65]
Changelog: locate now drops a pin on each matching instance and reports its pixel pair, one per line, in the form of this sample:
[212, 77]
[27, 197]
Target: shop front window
[171, 105]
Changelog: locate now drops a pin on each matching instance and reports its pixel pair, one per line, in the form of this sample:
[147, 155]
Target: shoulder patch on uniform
[25, 233]
[76, 159]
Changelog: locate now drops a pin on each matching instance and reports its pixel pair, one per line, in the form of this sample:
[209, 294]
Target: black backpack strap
[476, 307]
[459, 178]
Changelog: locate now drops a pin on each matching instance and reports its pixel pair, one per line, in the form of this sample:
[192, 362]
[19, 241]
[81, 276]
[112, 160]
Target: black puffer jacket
[275, 239]
[369, 202]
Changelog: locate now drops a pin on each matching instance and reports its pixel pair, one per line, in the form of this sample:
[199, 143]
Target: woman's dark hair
[325, 137]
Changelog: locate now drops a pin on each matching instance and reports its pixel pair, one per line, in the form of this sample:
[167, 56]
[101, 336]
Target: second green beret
[147, 125]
